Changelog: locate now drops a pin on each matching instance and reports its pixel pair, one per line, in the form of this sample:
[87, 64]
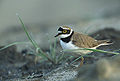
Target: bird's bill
[57, 34]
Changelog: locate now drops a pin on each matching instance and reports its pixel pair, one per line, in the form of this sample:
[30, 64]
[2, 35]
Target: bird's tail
[105, 42]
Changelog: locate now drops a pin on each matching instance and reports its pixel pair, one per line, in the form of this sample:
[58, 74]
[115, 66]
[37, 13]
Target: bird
[74, 40]
[69, 39]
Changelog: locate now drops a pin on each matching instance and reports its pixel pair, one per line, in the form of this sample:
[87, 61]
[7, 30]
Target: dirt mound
[20, 66]
[103, 70]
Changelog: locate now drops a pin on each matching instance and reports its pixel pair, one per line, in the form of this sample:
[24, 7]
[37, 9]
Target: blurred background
[43, 17]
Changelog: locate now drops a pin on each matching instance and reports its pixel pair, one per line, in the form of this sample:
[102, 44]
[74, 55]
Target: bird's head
[64, 31]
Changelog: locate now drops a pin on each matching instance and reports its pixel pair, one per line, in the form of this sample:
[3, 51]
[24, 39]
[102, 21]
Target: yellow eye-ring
[64, 31]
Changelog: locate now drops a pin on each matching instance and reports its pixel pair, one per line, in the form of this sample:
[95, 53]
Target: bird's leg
[82, 60]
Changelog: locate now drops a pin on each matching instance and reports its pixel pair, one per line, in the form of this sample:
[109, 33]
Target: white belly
[71, 46]
[68, 45]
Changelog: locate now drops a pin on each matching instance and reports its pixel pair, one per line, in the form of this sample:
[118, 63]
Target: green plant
[94, 50]
[51, 56]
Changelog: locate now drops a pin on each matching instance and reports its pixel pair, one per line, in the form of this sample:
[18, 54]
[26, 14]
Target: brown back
[84, 41]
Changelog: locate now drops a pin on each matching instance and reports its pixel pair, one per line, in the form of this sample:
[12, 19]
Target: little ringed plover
[74, 40]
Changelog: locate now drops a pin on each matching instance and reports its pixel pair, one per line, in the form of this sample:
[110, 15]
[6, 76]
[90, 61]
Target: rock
[103, 70]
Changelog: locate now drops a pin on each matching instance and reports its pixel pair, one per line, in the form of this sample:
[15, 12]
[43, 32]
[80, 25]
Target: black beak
[57, 34]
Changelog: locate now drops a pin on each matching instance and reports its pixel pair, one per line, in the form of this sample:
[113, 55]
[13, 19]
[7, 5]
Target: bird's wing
[83, 41]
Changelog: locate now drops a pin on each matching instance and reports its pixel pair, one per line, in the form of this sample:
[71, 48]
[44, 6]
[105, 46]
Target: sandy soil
[20, 66]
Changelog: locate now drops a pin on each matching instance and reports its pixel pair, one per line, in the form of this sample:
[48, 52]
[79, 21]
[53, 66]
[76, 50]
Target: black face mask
[60, 29]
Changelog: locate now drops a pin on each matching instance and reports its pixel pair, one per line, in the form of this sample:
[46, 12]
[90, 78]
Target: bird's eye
[64, 31]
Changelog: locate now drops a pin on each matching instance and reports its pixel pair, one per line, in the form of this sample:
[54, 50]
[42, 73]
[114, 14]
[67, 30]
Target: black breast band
[67, 39]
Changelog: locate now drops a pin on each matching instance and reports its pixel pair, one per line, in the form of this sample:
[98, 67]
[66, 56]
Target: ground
[19, 66]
